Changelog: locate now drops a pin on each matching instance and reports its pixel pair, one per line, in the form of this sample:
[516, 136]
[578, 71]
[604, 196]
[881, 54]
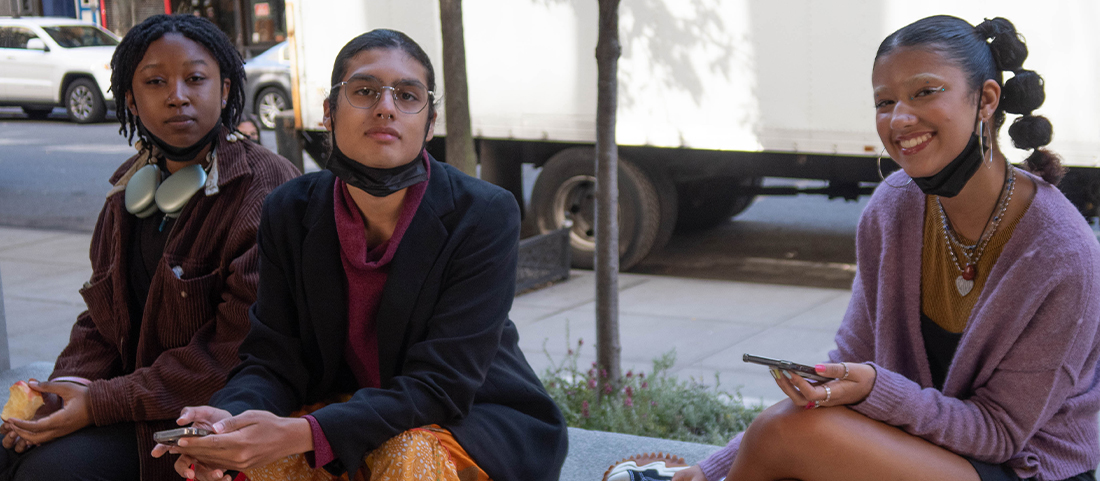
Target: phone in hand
[803, 370]
[172, 436]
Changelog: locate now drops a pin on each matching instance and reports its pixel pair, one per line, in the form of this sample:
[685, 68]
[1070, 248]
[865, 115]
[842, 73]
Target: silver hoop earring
[981, 144]
[878, 165]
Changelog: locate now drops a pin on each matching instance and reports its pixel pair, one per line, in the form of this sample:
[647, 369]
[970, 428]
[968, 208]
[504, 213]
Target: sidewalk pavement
[709, 323]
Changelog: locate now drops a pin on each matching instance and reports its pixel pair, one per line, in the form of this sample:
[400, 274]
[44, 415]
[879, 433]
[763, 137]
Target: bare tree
[460, 140]
[608, 49]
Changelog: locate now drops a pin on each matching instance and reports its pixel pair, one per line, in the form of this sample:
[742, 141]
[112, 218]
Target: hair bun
[1023, 93]
[1030, 132]
[1008, 48]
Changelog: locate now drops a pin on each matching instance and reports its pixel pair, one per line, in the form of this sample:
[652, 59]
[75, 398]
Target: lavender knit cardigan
[1023, 387]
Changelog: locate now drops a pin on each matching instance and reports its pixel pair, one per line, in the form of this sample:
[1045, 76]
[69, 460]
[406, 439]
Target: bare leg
[838, 444]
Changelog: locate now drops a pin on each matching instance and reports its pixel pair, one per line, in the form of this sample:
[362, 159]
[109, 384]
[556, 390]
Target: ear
[226, 83]
[431, 127]
[131, 105]
[990, 99]
[327, 119]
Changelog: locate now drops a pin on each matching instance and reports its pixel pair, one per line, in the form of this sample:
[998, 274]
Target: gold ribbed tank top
[940, 299]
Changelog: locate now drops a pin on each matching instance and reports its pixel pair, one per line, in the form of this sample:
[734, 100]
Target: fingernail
[218, 427]
[786, 374]
[819, 367]
[810, 405]
[775, 373]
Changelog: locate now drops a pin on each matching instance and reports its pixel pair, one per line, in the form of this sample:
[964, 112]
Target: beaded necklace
[964, 283]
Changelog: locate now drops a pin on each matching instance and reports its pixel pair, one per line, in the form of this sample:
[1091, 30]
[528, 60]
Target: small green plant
[658, 405]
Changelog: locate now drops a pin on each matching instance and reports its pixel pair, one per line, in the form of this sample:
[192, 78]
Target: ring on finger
[845, 370]
[828, 394]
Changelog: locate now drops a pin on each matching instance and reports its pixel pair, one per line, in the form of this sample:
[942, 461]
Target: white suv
[47, 62]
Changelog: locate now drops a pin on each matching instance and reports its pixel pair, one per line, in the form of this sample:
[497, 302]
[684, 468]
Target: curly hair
[129, 53]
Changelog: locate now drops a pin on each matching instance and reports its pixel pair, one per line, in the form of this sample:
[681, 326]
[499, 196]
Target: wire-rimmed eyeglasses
[409, 98]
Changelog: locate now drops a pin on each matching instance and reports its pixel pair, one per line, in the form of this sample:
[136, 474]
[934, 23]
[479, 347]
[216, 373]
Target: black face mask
[181, 154]
[950, 180]
[376, 182]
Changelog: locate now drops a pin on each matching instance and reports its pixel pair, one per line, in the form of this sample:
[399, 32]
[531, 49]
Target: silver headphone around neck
[146, 194]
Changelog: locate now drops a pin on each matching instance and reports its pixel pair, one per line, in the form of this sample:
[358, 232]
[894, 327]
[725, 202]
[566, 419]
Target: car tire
[269, 103]
[564, 196]
[84, 103]
[37, 113]
[706, 204]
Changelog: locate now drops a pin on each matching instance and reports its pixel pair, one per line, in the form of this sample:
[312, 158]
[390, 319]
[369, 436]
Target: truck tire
[703, 205]
[666, 197]
[564, 196]
[37, 113]
[84, 103]
[1082, 187]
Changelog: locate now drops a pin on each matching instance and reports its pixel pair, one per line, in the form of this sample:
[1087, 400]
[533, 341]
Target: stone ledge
[592, 452]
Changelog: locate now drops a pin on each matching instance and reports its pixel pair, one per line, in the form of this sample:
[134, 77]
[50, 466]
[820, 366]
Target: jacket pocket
[189, 298]
[98, 295]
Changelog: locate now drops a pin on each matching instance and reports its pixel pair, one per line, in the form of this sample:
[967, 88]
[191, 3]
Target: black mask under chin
[950, 180]
[181, 154]
[376, 182]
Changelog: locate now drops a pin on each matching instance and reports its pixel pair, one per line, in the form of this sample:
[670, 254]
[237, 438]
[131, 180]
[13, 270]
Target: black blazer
[448, 353]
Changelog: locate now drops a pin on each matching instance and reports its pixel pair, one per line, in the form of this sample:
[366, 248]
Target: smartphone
[172, 436]
[803, 370]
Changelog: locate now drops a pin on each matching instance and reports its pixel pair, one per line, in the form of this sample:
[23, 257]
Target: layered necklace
[971, 254]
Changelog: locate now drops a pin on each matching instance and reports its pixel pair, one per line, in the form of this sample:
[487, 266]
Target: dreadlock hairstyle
[129, 53]
[983, 52]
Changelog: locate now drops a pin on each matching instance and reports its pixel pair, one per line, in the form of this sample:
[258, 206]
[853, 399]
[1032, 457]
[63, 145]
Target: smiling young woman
[970, 345]
[381, 346]
[174, 264]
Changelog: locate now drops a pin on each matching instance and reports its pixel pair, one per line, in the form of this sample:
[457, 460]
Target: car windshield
[71, 36]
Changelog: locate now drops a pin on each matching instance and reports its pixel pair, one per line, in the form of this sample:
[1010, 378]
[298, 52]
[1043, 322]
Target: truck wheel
[666, 196]
[564, 196]
[706, 204]
[1082, 187]
[84, 103]
[269, 103]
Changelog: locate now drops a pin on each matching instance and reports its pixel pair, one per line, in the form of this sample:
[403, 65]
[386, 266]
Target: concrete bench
[592, 452]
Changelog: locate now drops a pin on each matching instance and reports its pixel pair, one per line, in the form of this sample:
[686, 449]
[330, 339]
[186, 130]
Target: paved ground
[709, 323]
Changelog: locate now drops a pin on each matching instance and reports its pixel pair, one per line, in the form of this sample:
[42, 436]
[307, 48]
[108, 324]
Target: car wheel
[269, 103]
[84, 103]
[37, 113]
[564, 197]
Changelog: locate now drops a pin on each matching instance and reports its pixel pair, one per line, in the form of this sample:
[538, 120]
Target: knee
[785, 428]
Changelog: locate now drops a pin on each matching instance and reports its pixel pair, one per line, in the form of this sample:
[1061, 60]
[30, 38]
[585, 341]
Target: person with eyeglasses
[381, 346]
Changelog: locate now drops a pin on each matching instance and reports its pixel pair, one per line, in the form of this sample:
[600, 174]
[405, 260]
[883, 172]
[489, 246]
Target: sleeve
[89, 354]
[322, 450]
[1026, 389]
[718, 464]
[441, 372]
[190, 374]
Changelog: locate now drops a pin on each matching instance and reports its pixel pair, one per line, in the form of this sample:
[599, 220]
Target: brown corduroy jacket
[197, 312]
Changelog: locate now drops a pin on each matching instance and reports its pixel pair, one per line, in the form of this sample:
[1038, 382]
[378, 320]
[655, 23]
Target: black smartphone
[803, 370]
[172, 436]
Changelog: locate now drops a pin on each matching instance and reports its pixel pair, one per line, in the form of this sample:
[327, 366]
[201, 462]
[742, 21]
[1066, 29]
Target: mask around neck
[951, 179]
[376, 182]
[181, 154]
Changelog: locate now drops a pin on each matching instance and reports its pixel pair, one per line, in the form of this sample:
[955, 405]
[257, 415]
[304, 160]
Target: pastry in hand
[22, 403]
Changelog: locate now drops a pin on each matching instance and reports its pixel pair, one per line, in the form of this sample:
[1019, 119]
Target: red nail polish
[810, 405]
[819, 368]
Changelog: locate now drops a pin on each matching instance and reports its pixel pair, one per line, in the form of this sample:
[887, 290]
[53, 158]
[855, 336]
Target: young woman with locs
[969, 348]
[174, 264]
[381, 346]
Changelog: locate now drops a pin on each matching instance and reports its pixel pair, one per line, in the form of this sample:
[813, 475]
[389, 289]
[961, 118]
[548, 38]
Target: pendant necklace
[964, 283]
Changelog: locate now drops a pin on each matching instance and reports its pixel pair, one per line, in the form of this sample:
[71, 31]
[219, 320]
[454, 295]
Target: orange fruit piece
[22, 403]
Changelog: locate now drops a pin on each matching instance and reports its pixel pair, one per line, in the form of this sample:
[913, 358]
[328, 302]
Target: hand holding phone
[172, 436]
[803, 370]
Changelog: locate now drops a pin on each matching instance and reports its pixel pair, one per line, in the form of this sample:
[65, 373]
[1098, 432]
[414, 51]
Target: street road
[53, 174]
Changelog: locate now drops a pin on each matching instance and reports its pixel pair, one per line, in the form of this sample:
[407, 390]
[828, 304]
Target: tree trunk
[460, 140]
[608, 349]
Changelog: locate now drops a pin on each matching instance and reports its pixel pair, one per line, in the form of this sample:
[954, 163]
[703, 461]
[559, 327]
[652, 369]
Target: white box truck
[714, 95]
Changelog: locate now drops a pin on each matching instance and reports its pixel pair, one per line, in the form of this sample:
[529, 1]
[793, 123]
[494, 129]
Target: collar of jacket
[228, 164]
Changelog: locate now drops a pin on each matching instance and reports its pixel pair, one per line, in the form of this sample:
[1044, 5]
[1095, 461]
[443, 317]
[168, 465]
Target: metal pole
[607, 198]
